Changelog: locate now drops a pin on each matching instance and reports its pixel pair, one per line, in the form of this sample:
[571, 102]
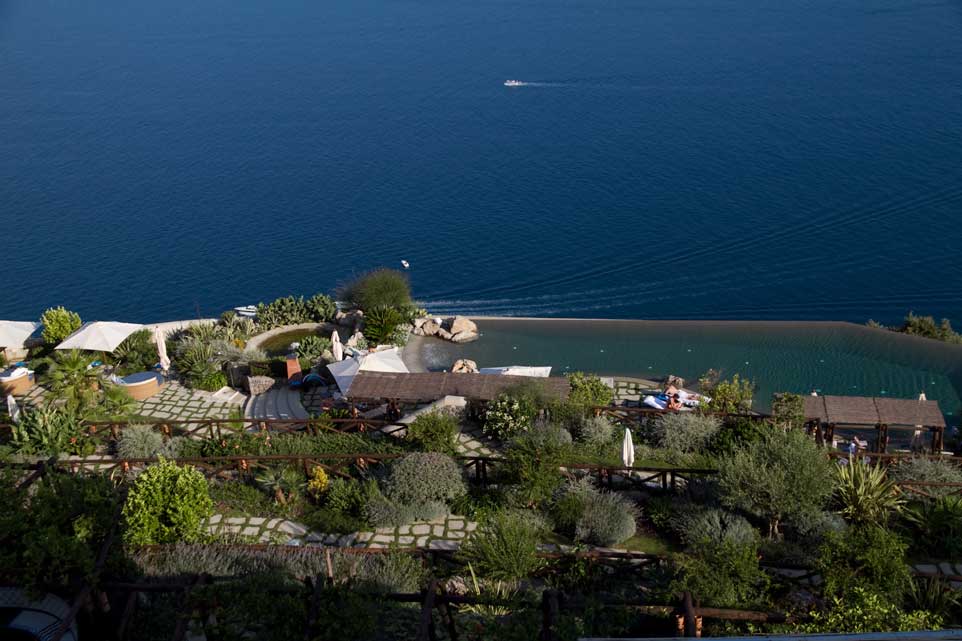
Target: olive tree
[780, 477]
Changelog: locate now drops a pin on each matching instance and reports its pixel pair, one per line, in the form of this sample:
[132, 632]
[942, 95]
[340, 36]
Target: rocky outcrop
[457, 329]
[464, 366]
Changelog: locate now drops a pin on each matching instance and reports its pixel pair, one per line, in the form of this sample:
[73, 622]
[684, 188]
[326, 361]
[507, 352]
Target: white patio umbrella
[99, 336]
[627, 449]
[15, 333]
[388, 360]
[337, 348]
[160, 337]
[13, 409]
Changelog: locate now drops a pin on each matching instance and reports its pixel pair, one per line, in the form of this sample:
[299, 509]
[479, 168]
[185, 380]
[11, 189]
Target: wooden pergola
[431, 386]
[825, 413]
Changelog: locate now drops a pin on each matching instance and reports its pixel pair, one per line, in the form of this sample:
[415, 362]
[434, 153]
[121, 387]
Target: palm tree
[274, 481]
[72, 379]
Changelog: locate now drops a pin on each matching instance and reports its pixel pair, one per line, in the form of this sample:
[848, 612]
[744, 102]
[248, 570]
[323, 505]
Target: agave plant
[496, 591]
[380, 324]
[864, 494]
[937, 526]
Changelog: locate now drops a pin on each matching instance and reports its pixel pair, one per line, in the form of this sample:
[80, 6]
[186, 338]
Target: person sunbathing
[674, 402]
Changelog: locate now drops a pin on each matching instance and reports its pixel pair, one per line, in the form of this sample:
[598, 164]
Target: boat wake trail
[524, 83]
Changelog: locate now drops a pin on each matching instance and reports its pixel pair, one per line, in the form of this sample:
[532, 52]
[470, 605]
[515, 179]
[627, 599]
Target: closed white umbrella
[160, 337]
[627, 449]
[336, 347]
[13, 409]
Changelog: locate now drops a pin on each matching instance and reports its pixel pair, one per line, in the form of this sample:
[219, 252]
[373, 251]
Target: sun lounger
[16, 380]
[655, 402]
[140, 386]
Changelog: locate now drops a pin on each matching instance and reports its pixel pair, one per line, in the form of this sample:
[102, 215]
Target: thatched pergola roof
[869, 410]
[430, 386]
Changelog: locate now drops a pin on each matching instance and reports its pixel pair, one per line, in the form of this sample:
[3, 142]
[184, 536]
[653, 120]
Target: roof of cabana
[868, 410]
[430, 386]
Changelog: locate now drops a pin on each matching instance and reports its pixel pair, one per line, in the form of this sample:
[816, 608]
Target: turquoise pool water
[832, 358]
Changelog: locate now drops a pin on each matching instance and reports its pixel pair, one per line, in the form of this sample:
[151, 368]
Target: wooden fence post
[549, 615]
[688, 608]
[426, 627]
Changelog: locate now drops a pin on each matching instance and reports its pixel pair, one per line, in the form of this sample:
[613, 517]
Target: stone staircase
[276, 403]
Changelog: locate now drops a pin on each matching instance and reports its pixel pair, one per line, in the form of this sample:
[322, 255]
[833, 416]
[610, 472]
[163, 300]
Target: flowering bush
[318, 482]
[505, 417]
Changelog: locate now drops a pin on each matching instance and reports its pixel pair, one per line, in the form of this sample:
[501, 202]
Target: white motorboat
[513, 83]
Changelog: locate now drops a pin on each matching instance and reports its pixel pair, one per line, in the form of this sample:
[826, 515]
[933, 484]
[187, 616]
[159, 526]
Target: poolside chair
[294, 375]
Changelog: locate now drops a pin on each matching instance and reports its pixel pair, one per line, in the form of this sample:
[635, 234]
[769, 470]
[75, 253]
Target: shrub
[137, 353]
[318, 482]
[737, 433]
[596, 431]
[141, 441]
[58, 324]
[381, 323]
[379, 288]
[435, 432]
[716, 526]
[391, 573]
[778, 478]
[242, 497]
[607, 519]
[688, 432]
[288, 310]
[788, 411]
[588, 390]
[50, 431]
[926, 326]
[568, 505]
[867, 557]
[506, 417]
[323, 519]
[505, 546]
[864, 495]
[724, 574]
[861, 611]
[166, 504]
[936, 527]
[421, 477]
[382, 511]
[732, 396]
[320, 308]
[533, 460]
[348, 496]
[52, 534]
[312, 348]
[925, 470]
[210, 382]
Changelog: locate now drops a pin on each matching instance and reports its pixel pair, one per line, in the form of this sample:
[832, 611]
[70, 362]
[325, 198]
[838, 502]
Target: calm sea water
[694, 159]
[830, 358]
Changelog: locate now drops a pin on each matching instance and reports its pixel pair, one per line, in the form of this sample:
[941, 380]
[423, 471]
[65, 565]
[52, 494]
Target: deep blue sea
[799, 159]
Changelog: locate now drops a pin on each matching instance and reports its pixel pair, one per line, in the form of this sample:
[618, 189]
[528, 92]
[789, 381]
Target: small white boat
[405, 264]
[513, 83]
[247, 311]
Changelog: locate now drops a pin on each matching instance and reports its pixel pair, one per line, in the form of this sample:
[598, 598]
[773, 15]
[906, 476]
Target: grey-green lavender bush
[607, 519]
[921, 469]
[141, 441]
[595, 431]
[697, 524]
[421, 477]
[688, 432]
[381, 511]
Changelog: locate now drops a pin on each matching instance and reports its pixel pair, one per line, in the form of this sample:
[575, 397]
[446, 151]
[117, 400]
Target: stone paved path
[472, 442]
[445, 533]
[176, 402]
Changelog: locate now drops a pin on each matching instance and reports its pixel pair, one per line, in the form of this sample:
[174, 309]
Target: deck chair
[294, 375]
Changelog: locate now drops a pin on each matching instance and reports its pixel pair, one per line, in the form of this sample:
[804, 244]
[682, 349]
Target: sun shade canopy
[99, 336]
[346, 371]
[16, 333]
[426, 387]
[868, 410]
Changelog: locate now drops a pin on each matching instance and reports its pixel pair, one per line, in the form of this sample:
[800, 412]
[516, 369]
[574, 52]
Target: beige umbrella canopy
[99, 336]
[15, 333]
